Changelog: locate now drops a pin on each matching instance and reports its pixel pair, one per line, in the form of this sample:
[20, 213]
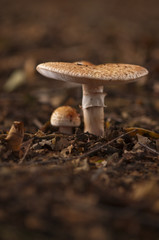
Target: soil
[78, 186]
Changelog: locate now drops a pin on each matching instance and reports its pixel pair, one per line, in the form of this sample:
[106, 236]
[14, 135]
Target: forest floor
[79, 186]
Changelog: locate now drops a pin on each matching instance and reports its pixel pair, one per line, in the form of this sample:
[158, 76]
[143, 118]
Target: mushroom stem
[93, 109]
[65, 130]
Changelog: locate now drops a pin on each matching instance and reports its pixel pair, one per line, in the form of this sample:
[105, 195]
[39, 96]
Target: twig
[148, 148]
[48, 136]
[95, 149]
[26, 151]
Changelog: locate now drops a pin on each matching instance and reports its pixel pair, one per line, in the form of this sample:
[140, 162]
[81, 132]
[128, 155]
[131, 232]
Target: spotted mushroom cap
[92, 74]
[65, 116]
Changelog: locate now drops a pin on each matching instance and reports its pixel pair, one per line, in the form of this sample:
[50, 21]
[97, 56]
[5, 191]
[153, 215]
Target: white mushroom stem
[93, 109]
[65, 130]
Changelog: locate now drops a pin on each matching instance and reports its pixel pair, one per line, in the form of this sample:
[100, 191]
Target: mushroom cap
[92, 74]
[65, 116]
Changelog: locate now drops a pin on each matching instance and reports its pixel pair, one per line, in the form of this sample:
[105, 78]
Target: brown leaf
[142, 132]
[15, 137]
[67, 151]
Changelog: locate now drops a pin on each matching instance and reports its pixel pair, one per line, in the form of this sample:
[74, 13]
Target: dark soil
[78, 186]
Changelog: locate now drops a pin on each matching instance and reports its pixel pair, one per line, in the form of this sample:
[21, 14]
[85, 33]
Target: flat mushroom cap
[92, 74]
[65, 116]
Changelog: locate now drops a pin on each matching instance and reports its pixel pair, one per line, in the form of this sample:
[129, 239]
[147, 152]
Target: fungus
[65, 118]
[93, 78]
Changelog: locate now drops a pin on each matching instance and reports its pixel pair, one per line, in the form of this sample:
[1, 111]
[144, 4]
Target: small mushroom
[65, 118]
[93, 78]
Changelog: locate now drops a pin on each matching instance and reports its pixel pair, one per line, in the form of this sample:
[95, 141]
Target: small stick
[95, 149]
[148, 148]
[26, 151]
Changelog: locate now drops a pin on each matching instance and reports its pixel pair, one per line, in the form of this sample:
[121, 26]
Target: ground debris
[79, 186]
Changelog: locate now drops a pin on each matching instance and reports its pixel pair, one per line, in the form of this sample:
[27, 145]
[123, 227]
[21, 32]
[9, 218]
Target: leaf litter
[78, 186]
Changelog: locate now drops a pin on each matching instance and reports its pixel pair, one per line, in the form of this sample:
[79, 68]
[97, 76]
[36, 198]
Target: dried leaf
[98, 161]
[66, 151]
[44, 144]
[61, 143]
[39, 133]
[142, 139]
[84, 166]
[15, 136]
[142, 131]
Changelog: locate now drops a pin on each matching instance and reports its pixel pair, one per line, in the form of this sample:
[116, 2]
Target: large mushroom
[93, 78]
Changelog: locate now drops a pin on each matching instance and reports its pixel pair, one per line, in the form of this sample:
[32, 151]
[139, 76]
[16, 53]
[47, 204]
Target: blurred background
[99, 31]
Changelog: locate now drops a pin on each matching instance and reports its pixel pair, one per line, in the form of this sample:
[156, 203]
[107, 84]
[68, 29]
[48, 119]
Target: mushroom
[65, 118]
[93, 78]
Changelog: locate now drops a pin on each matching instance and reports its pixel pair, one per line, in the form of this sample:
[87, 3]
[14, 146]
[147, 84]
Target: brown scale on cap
[84, 63]
[65, 118]
[93, 78]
